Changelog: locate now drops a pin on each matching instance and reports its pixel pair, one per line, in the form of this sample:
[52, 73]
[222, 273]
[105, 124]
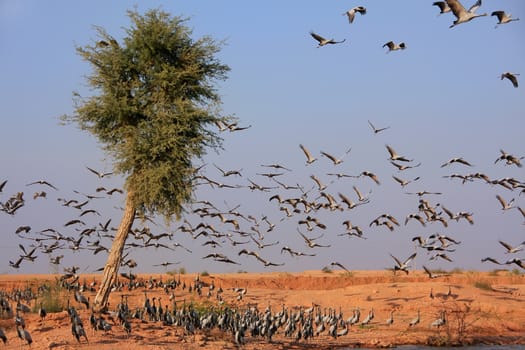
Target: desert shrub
[482, 285]
[182, 270]
[459, 319]
[515, 272]
[326, 269]
[52, 296]
[205, 273]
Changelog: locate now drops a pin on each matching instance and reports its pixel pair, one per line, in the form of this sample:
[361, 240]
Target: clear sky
[441, 97]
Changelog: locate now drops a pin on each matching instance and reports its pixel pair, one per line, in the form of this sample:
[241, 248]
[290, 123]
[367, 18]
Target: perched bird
[351, 13]
[461, 14]
[3, 336]
[394, 47]
[322, 41]
[415, 320]
[503, 17]
[513, 77]
[24, 335]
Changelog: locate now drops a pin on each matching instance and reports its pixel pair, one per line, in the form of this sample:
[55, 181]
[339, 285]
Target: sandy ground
[480, 308]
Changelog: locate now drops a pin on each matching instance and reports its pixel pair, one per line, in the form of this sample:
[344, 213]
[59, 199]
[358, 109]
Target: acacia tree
[153, 107]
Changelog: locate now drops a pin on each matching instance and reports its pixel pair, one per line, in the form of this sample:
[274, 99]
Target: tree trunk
[115, 255]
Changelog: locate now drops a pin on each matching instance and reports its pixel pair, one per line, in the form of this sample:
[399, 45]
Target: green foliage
[204, 273]
[182, 270]
[154, 106]
[52, 297]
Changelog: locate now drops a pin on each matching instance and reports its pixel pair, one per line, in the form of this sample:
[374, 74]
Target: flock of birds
[455, 7]
[229, 314]
[222, 230]
[230, 235]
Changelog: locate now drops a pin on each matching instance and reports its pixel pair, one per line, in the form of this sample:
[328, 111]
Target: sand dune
[480, 307]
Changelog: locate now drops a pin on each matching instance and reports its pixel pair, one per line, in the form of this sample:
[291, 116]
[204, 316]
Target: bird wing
[409, 259]
[93, 171]
[390, 44]
[506, 245]
[427, 271]
[392, 152]
[398, 262]
[329, 156]
[350, 14]
[317, 37]
[456, 7]
[502, 201]
[306, 152]
[498, 14]
[475, 6]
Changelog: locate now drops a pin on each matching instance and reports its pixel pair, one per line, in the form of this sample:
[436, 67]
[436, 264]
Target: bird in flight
[503, 17]
[462, 15]
[351, 13]
[322, 41]
[403, 266]
[377, 130]
[513, 78]
[394, 47]
[338, 264]
[396, 157]
[309, 158]
[456, 160]
[42, 182]
[98, 173]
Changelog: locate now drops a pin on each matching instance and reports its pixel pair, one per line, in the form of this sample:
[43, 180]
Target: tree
[153, 107]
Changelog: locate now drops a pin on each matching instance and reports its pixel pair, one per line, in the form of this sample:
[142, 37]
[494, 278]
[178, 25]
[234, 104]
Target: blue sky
[442, 97]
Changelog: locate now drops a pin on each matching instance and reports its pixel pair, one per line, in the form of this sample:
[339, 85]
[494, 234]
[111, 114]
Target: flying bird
[42, 182]
[509, 159]
[335, 160]
[322, 41]
[432, 275]
[503, 17]
[98, 173]
[456, 160]
[309, 158]
[510, 249]
[335, 263]
[513, 78]
[403, 266]
[351, 13]
[462, 15]
[396, 157]
[503, 202]
[377, 130]
[394, 47]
